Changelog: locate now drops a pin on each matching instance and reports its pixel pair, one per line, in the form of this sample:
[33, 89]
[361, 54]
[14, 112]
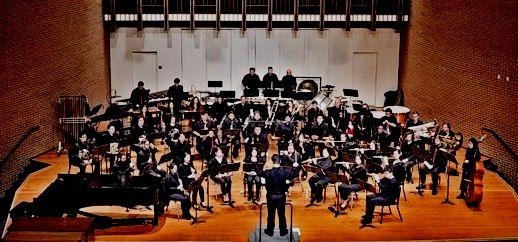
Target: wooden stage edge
[424, 218]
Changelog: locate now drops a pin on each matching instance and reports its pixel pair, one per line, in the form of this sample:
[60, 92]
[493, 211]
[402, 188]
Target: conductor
[277, 181]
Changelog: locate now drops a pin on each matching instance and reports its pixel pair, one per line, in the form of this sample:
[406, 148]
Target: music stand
[278, 84]
[251, 92]
[230, 168]
[270, 93]
[449, 157]
[231, 133]
[351, 93]
[227, 94]
[196, 184]
[335, 178]
[288, 94]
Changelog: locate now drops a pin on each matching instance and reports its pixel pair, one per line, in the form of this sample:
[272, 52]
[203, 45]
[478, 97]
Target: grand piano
[71, 192]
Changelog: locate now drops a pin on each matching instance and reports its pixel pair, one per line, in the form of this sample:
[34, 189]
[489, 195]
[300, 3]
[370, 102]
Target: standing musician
[80, 155]
[175, 93]
[251, 80]
[257, 138]
[174, 190]
[320, 180]
[269, 78]
[276, 181]
[313, 112]
[252, 177]
[389, 192]
[468, 167]
[112, 139]
[146, 160]
[289, 82]
[222, 178]
[139, 96]
[357, 176]
[187, 174]
[242, 109]
[435, 164]
[231, 123]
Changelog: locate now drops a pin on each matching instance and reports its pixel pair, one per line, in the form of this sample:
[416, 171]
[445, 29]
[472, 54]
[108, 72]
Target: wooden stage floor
[425, 218]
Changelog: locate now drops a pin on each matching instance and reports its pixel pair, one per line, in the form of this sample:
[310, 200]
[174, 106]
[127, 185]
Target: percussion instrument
[378, 114]
[400, 112]
[323, 99]
[308, 85]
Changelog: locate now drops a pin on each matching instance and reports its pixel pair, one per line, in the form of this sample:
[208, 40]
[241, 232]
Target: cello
[475, 187]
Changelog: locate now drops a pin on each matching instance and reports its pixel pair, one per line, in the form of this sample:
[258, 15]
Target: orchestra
[352, 144]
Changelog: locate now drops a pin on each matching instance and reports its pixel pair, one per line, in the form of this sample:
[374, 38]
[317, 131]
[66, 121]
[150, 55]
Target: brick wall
[48, 48]
[451, 55]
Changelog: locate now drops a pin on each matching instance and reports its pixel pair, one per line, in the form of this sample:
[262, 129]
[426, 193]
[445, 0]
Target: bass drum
[309, 85]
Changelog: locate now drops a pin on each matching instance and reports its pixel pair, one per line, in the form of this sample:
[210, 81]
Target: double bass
[475, 187]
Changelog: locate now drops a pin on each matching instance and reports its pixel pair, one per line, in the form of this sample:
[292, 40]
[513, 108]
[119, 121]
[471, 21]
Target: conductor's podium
[258, 235]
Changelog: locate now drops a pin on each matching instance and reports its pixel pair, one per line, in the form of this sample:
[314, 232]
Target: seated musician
[231, 123]
[139, 96]
[208, 145]
[219, 109]
[180, 148]
[112, 139]
[122, 169]
[389, 193]
[290, 157]
[357, 175]
[256, 139]
[140, 129]
[381, 137]
[352, 131]
[252, 177]
[319, 130]
[329, 121]
[242, 109]
[175, 93]
[336, 108]
[174, 190]
[305, 149]
[196, 106]
[222, 178]
[468, 167]
[170, 111]
[80, 155]
[390, 123]
[365, 120]
[267, 110]
[255, 121]
[320, 180]
[285, 128]
[340, 123]
[407, 154]
[149, 118]
[200, 130]
[313, 112]
[171, 129]
[146, 160]
[414, 120]
[251, 80]
[435, 165]
[187, 174]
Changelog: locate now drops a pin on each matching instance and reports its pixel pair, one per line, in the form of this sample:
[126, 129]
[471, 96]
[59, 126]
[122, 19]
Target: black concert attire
[313, 113]
[289, 83]
[171, 131]
[254, 179]
[175, 93]
[320, 130]
[365, 120]
[173, 192]
[389, 193]
[334, 111]
[268, 79]
[277, 180]
[138, 131]
[139, 97]
[242, 111]
[255, 140]
[407, 152]
[218, 110]
[307, 151]
[290, 159]
[394, 131]
[233, 124]
[207, 147]
[178, 151]
[358, 177]
[251, 81]
[146, 161]
[411, 123]
[320, 180]
[75, 160]
[468, 169]
[202, 128]
[167, 113]
[186, 173]
[383, 140]
[225, 182]
[121, 170]
[439, 166]
[285, 129]
[448, 134]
